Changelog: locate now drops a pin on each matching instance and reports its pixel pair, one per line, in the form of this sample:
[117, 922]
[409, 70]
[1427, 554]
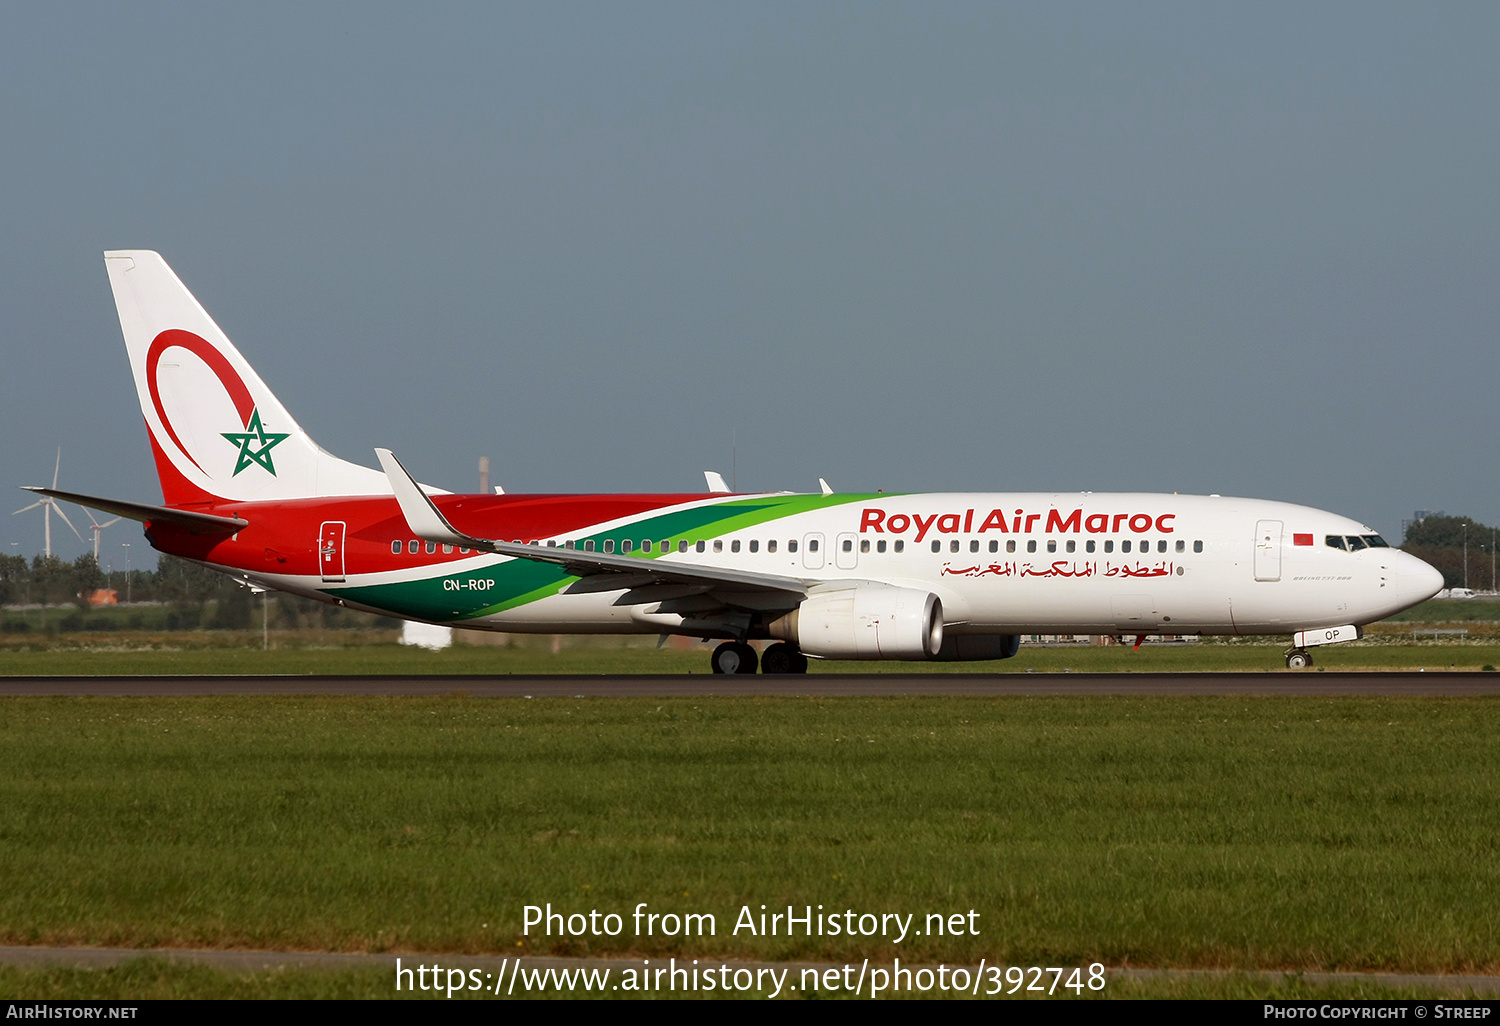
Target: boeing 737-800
[945, 576]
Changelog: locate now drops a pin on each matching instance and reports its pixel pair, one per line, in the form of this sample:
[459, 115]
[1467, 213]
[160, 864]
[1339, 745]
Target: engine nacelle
[971, 647]
[875, 621]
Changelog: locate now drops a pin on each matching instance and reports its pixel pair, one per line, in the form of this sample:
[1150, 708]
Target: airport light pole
[128, 574]
[1466, 555]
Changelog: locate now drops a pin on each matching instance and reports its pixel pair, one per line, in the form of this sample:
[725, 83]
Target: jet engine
[874, 621]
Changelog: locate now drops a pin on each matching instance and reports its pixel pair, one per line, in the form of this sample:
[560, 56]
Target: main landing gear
[738, 657]
[1298, 659]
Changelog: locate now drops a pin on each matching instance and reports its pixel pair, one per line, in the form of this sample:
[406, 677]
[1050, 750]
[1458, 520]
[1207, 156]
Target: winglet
[421, 515]
[716, 483]
[824, 485]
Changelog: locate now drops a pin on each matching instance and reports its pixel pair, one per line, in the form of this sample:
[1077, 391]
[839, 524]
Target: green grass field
[1216, 833]
[1236, 834]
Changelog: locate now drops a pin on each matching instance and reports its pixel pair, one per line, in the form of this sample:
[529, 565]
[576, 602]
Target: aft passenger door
[331, 550]
[1268, 550]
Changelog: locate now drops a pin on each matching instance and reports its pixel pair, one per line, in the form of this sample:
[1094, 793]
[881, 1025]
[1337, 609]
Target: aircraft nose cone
[1417, 580]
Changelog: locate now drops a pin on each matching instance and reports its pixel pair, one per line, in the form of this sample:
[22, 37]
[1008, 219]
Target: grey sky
[1249, 249]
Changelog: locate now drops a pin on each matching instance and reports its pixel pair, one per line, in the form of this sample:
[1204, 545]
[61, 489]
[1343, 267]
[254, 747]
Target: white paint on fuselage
[1213, 591]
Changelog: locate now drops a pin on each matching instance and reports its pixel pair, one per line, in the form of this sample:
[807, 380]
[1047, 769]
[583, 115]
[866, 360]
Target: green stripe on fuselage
[468, 594]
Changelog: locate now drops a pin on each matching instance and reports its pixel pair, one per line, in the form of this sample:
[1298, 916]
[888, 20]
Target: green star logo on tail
[256, 435]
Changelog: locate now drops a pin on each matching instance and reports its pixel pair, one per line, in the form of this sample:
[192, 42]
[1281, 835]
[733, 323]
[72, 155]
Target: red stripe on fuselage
[283, 536]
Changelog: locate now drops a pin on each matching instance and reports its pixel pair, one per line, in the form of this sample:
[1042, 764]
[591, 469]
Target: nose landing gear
[1298, 659]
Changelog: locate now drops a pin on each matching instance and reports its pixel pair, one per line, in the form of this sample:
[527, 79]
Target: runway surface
[1307, 684]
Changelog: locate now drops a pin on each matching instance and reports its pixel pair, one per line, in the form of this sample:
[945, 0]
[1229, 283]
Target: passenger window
[791, 546]
[666, 545]
[1072, 545]
[646, 545]
[1181, 544]
[609, 545]
[431, 547]
[953, 545]
[1125, 545]
[1109, 545]
[1161, 546]
[771, 545]
[1010, 545]
[718, 544]
[937, 546]
[1051, 544]
[1031, 545]
[448, 549]
[396, 547]
[1088, 546]
[974, 545]
[702, 546]
[588, 546]
[464, 552]
[682, 545]
[413, 546]
[900, 545]
[1145, 544]
[626, 544]
[880, 545]
[848, 544]
[994, 545]
[734, 546]
[551, 544]
[755, 546]
[864, 545]
[812, 545]
[1197, 546]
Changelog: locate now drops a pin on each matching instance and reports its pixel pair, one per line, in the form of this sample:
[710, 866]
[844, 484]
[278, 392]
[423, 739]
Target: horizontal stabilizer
[144, 513]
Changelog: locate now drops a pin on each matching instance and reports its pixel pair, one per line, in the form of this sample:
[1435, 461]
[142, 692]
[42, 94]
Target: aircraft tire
[782, 658]
[1301, 659]
[734, 657]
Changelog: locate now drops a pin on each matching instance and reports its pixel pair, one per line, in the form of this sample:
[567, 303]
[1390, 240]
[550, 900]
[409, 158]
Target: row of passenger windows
[1355, 542]
[666, 545]
[1069, 546]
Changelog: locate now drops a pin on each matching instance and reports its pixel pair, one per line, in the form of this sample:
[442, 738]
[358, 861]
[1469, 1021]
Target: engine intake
[877, 621]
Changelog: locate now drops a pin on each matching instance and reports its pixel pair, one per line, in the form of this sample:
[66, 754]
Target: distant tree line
[193, 597]
[1440, 541]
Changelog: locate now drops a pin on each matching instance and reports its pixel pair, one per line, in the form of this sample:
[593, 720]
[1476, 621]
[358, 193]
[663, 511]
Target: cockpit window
[1375, 541]
[1335, 541]
[1355, 542]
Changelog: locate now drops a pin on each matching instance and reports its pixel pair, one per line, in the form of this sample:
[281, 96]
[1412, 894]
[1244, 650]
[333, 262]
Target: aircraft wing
[143, 512]
[429, 524]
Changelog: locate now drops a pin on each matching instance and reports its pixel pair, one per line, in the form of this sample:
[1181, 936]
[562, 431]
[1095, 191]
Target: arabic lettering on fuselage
[1060, 568]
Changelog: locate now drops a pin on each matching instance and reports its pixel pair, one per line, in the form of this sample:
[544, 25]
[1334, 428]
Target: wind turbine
[98, 530]
[48, 504]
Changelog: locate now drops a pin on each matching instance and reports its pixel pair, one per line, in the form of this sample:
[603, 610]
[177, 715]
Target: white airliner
[944, 576]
